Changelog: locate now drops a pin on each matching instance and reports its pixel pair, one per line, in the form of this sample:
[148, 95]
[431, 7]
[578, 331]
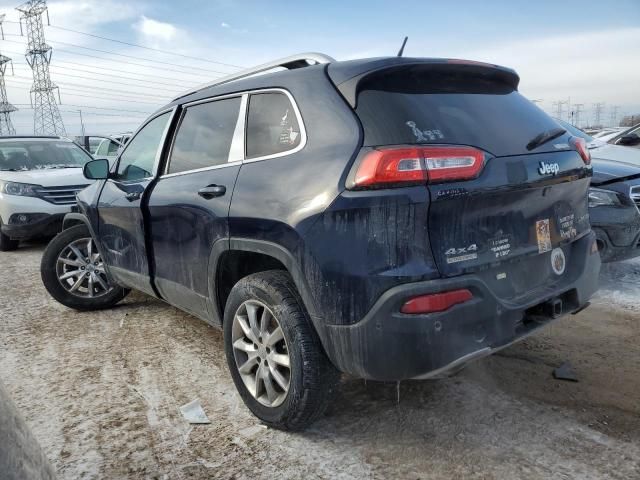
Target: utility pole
[614, 115]
[597, 112]
[6, 127]
[81, 123]
[577, 108]
[46, 118]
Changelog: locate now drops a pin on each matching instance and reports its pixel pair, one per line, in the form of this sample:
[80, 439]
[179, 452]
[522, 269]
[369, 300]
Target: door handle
[212, 191]
[133, 196]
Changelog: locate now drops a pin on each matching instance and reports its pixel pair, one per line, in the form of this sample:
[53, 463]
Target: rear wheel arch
[236, 258]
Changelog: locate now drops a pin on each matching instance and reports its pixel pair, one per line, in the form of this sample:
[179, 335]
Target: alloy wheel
[80, 270]
[261, 353]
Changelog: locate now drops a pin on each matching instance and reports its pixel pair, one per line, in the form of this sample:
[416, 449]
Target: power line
[71, 91]
[93, 113]
[58, 74]
[143, 46]
[127, 93]
[63, 64]
[94, 107]
[133, 57]
[181, 81]
[69, 52]
[133, 63]
[116, 76]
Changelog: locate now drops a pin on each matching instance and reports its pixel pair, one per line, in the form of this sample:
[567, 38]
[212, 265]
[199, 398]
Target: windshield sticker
[543, 235]
[424, 135]
[455, 255]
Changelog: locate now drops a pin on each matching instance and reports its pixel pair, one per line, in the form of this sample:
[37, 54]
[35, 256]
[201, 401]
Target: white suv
[39, 179]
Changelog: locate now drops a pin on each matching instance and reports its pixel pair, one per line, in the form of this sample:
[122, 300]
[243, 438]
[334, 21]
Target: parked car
[39, 180]
[391, 218]
[607, 132]
[614, 197]
[627, 138]
[108, 148]
[89, 142]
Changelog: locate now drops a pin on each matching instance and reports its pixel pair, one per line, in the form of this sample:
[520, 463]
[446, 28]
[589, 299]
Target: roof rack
[300, 60]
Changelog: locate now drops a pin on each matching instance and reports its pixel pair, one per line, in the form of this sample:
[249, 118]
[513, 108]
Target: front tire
[73, 272]
[274, 355]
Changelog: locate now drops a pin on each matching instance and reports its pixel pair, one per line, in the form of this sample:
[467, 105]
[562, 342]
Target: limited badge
[558, 261]
[543, 235]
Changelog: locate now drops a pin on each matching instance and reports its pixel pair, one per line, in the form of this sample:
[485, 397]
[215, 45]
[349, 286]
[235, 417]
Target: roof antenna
[402, 47]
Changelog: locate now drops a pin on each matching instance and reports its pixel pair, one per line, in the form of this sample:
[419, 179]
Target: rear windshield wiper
[545, 137]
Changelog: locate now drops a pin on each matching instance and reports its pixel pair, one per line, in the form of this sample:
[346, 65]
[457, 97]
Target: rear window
[416, 106]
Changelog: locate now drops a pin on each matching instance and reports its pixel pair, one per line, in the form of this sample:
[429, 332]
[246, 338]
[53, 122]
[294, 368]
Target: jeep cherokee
[391, 218]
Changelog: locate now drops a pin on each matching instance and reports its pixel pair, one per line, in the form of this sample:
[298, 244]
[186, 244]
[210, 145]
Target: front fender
[71, 220]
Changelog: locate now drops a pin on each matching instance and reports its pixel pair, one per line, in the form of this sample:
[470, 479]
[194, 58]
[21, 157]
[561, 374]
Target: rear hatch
[528, 198]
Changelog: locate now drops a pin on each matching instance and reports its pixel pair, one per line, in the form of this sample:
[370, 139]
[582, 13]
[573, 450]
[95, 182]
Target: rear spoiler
[347, 76]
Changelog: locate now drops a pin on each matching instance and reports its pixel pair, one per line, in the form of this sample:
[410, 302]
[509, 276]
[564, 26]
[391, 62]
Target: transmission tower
[597, 112]
[6, 127]
[614, 115]
[46, 119]
[577, 109]
[559, 108]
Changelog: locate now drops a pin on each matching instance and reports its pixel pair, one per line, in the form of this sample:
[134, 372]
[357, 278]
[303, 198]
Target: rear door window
[272, 125]
[205, 135]
[416, 106]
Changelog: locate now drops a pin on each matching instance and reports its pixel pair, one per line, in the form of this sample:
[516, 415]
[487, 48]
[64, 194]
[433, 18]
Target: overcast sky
[578, 51]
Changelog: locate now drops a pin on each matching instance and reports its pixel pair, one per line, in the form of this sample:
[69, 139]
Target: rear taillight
[401, 166]
[580, 146]
[436, 302]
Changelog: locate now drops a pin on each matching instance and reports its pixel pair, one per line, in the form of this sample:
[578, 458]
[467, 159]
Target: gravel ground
[101, 393]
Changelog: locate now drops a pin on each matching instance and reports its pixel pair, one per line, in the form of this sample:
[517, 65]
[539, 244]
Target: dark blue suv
[391, 218]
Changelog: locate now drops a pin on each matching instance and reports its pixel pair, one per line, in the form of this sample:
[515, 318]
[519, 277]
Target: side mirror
[96, 169]
[630, 140]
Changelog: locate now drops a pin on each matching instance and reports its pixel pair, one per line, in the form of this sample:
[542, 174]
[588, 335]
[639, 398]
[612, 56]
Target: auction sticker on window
[543, 235]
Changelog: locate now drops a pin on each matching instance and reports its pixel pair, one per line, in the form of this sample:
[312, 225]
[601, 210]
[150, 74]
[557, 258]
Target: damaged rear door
[527, 199]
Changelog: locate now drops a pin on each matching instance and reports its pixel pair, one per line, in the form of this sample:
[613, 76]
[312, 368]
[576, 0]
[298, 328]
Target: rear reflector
[436, 302]
[387, 166]
[580, 146]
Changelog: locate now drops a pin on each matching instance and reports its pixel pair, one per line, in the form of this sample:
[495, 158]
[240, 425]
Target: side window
[138, 159]
[204, 136]
[113, 149]
[272, 125]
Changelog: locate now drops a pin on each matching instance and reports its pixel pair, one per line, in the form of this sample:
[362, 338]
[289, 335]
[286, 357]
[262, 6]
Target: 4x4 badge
[548, 168]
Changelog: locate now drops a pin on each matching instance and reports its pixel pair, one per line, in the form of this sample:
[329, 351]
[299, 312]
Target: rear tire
[298, 394]
[83, 296]
[6, 244]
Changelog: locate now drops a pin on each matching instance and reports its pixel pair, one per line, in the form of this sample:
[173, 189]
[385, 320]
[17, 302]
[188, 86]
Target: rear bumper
[42, 226]
[389, 345]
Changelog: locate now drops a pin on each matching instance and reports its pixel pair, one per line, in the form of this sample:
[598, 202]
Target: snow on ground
[620, 284]
[101, 392]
